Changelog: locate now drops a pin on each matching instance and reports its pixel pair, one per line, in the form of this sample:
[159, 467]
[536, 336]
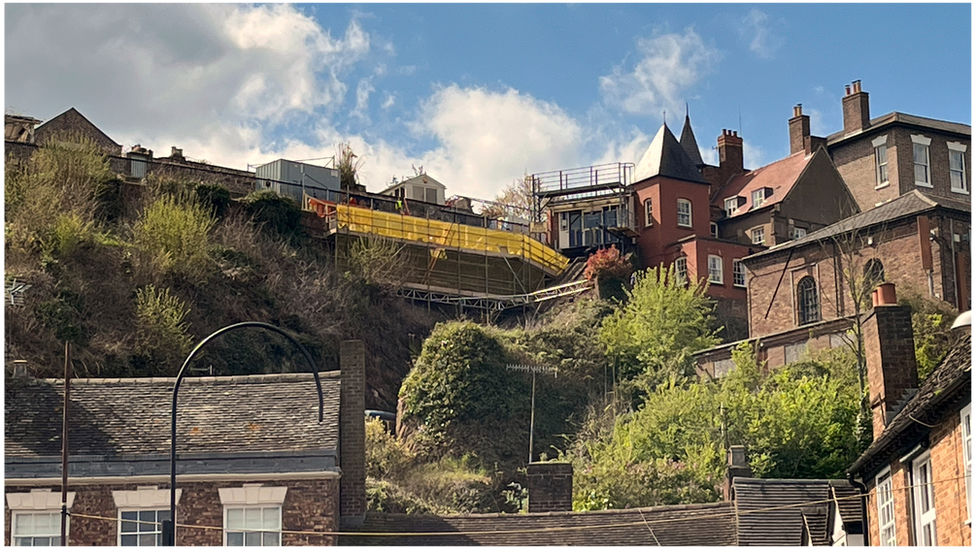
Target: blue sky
[476, 94]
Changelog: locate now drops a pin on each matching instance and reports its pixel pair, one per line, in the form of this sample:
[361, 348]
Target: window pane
[130, 540]
[272, 539]
[147, 540]
[235, 519]
[921, 174]
[235, 538]
[127, 525]
[147, 521]
[42, 542]
[271, 515]
[252, 538]
[919, 153]
[24, 524]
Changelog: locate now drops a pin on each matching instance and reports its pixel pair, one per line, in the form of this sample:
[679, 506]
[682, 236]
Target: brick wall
[898, 248]
[310, 506]
[550, 487]
[71, 122]
[352, 431]
[945, 442]
[889, 350]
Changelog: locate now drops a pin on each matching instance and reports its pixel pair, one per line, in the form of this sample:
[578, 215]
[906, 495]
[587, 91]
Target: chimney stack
[352, 433]
[738, 466]
[856, 110]
[889, 347]
[800, 131]
[550, 487]
[730, 152]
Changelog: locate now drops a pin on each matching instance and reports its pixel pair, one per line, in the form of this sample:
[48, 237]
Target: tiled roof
[131, 416]
[769, 510]
[666, 157]
[906, 205]
[704, 524]
[948, 384]
[910, 119]
[848, 502]
[779, 176]
[69, 113]
[815, 524]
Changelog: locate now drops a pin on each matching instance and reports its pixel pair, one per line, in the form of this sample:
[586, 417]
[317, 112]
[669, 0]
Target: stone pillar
[352, 433]
[550, 487]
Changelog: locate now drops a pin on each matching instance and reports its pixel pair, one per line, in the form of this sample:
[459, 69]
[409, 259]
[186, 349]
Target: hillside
[133, 275]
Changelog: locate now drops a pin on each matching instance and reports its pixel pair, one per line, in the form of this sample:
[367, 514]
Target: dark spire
[665, 156]
[688, 142]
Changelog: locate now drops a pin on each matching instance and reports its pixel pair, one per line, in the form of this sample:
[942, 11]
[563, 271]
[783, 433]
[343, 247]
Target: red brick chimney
[730, 152]
[352, 433]
[550, 487]
[799, 131]
[856, 110]
[889, 347]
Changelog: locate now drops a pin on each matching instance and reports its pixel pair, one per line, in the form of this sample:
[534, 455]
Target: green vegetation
[174, 235]
[672, 450]
[931, 322]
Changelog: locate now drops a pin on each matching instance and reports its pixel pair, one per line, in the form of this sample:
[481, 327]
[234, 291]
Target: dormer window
[731, 205]
[759, 196]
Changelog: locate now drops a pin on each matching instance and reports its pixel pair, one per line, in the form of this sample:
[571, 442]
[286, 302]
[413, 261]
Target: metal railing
[619, 173]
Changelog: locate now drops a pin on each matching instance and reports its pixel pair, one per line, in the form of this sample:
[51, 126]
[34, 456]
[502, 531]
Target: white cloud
[389, 99]
[176, 69]
[754, 27]
[669, 66]
[363, 89]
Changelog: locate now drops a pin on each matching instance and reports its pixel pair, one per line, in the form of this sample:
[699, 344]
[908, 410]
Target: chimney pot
[738, 466]
[798, 110]
[884, 294]
[847, 89]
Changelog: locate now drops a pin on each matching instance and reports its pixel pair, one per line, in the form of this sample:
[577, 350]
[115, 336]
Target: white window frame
[738, 270]
[144, 498]
[731, 205]
[922, 141]
[687, 203]
[39, 501]
[761, 231]
[157, 533]
[713, 228]
[960, 149]
[681, 270]
[881, 162]
[797, 233]
[965, 426]
[648, 212]
[253, 496]
[715, 271]
[923, 490]
[758, 197]
[885, 496]
[246, 530]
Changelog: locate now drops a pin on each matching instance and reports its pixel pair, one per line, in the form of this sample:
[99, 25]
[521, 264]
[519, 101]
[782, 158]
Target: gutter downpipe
[863, 489]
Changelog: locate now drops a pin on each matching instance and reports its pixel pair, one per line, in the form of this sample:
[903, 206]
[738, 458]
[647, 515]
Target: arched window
[808, 300]
[874, 274]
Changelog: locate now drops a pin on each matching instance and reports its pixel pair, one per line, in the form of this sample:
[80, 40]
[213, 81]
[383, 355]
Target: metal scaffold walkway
[495, 302]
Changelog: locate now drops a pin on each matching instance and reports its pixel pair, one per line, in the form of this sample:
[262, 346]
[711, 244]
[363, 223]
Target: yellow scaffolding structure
[440, 234]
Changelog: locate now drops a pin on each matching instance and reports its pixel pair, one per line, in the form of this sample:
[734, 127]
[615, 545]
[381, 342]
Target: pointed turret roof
[689, 144]
[665, 156]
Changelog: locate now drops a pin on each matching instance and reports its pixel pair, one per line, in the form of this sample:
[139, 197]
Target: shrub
[175, 236]
[607, 264]
[161, 330]
[385, 456]
[63, 315]
[214, 197]
[275, 213]
[376, 259]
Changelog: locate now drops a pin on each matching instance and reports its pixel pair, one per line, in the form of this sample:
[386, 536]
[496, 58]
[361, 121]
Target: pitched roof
[946, 386]
[769, 510]
[780, 176]
[907, 205]
[689, 144]
[902, 118]
[131, 416]
[666, 157]
[73, 112]
[848, 502]
[701, 524]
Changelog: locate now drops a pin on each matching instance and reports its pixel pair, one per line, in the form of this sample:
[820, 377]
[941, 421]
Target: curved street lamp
[169, 526]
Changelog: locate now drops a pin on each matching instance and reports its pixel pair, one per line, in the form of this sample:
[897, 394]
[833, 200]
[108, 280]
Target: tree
[348, 164]
[514, 201]
[609, 271]
[664, 321]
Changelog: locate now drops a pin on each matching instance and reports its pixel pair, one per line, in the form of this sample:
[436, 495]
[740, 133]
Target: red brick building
[254, 464]
[917, 472]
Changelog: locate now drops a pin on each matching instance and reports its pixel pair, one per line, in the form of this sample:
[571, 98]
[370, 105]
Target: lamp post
[169, 526]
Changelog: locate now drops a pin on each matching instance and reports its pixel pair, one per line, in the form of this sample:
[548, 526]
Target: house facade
[917, 471]
[885, 157]
[255, 466]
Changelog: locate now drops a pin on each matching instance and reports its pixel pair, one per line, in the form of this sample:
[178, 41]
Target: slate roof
[943, 391]
[902, 118]
[690, 144]
[780, 176]
[666, 157]
[907, 205]
[847, 500]
[72, 112]
[702, 524]
[131, 416]
[769, 510]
